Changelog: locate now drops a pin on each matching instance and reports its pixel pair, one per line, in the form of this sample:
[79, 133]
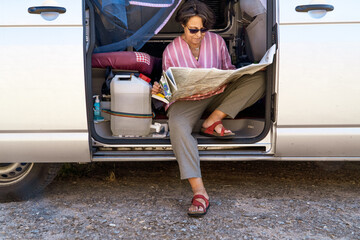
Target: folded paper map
[181, 82]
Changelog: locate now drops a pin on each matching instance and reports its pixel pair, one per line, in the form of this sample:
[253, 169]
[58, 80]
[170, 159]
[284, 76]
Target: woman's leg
[183, 116]
[237, 96]
[240, 94]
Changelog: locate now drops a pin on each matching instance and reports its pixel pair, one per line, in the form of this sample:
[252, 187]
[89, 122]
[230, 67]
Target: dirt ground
[249, 200]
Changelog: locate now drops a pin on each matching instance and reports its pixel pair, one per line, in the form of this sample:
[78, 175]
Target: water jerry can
[131, 113]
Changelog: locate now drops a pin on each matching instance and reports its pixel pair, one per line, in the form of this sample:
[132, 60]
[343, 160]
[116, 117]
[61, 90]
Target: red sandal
[196, 203]
[210, 132]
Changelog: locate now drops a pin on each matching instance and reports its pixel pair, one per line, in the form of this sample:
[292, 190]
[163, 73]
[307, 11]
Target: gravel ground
[249, 200]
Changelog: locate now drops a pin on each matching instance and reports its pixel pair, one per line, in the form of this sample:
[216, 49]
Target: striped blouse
[213, 54]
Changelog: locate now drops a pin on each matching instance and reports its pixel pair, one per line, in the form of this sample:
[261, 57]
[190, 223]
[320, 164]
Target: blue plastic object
[97, 111]
[122, 23]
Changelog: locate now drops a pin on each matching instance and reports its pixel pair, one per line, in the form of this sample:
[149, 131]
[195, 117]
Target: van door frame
[269, 96]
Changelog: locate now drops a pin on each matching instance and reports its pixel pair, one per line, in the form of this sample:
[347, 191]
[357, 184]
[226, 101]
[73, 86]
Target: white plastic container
[130, 106]
[105, 105]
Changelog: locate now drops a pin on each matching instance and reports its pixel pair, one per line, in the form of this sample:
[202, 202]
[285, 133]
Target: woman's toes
[219, 127]
[195, 209]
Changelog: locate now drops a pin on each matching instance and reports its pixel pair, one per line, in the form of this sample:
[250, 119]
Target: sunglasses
[194, 31]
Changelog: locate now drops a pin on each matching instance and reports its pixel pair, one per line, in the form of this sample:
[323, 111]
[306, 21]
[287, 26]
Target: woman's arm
[225, 56]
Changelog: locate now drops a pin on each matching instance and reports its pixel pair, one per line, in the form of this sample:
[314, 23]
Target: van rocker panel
[44, 147]
[317, 142]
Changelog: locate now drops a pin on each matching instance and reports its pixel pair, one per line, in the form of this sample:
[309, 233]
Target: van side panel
[318, 83]
[42, 84]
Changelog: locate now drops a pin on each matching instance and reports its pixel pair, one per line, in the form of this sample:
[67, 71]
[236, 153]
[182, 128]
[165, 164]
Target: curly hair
[193, 8]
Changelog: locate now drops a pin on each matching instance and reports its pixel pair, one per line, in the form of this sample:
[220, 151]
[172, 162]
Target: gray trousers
[183, 115]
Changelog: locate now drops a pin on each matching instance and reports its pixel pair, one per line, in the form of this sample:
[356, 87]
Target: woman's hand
[156, 88]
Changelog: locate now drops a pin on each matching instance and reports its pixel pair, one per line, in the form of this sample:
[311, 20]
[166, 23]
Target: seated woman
[199, 48]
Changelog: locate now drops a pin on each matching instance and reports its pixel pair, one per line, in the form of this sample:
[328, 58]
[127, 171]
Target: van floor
[243, 128]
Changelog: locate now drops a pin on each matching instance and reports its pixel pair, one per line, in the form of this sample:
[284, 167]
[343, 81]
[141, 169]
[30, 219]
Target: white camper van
[48, 80]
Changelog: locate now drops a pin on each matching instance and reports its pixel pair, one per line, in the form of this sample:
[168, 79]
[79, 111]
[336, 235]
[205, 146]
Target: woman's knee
[178, 125]
[259, 78]
[258, 82]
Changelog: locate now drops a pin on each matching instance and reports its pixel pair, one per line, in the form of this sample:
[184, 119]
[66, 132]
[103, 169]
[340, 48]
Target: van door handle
[310, 7]
[41, 9]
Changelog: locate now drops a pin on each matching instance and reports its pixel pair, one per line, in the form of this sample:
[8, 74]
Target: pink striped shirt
[213, 54]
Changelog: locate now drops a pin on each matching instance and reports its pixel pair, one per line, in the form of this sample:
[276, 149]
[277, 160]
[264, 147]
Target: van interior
[248, 35]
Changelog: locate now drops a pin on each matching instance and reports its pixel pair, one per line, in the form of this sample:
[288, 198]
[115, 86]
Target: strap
[222, 131]
[129, 115]
[199, 204]
[105, 89]
[211, 129]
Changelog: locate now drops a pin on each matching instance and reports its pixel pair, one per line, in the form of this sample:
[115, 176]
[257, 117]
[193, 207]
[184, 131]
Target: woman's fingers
[156, 84]
[156, 88]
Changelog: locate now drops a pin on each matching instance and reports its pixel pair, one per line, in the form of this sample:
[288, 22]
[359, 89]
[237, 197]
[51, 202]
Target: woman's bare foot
[193, 208]
[215, 116]
[197, 187]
